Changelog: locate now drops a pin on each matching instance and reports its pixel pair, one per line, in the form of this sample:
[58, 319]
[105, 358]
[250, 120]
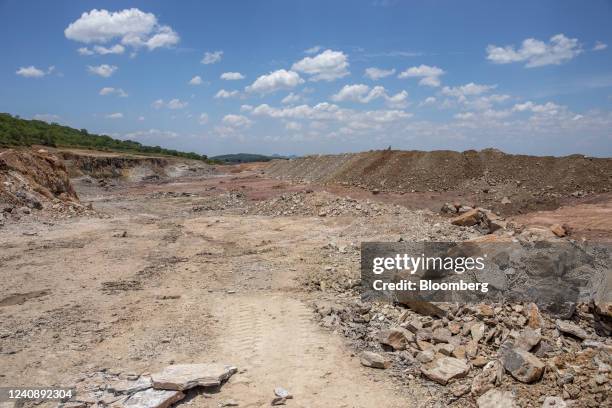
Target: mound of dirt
[504, 182]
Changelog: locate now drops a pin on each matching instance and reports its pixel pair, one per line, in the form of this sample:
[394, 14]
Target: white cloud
[223, 94]
[203, 119]
[115, 49]
[246, 108]
[430, 75]
[132, 27]
[31, 72]
[274, 81]
[376, 73]
[196, 80]
[327, 66]
[291, 98]
[103, 70]
[548, 108]
[536, 53]
[363, 94]
[467, 90]
[293, 126]
[237, 121]
[113, 91]
[85, 51]
[430, 100]
[600, 46]
[212, 57]
[117, 115]
[173, 104]
[232, 76]
[313, 50]
[47, 117]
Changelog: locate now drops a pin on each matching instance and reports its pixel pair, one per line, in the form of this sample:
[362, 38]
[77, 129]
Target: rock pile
[487, 355]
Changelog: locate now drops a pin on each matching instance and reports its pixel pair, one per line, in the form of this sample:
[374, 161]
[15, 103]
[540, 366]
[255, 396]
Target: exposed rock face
[33, 179]
[444, 369]
[185, 376]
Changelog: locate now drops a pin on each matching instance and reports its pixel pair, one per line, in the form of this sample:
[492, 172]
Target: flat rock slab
[444, 369]
[153, 399]
[185, 376]
[570, 328]
[497, 399]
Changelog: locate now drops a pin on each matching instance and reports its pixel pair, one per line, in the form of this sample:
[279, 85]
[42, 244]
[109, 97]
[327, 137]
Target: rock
[426, 356]
[491, 374]
[554, 402]
[441, 335]
[484, 310]
[185, 376]
[558, 230]
[374, 360]
[229, 403]
[129, 387]
[445, 349]
[153, 399]
[505, 201]
[497, 399]
[570, 328]
[396, 338]
[477, 331]
[534, 319]
[521, 364]
[282, 393]
[528, 339]
[448, 208]
[467, 219]
[414, 325]
[444, 369]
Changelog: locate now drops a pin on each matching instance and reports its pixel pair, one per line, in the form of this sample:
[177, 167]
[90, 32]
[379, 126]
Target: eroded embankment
[528, 182]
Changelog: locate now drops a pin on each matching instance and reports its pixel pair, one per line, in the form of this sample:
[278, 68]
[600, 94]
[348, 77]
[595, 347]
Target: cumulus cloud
[326, 66]
[232, 76]
[430, 75]
[131, 27]
[363, 94]
[536, 53]
[376, 73]
[548, 108]
[151, 134]
[430, 100]
[203, 118]
[600, 46]
[113, 91]
[223, 94]
[212, 57]
[173, 104]
[103, 70]
[31, 72]
[467, 90]
[196, 80]
[291, 98]
[274, 81]
[313, 50]
[293, 126]
[237, 121]
[117, 115]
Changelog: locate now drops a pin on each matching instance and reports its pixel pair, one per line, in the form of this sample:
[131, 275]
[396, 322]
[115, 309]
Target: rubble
[497, 399]
[153, 398]
[572, 329]
[522, 365]
[374, 360]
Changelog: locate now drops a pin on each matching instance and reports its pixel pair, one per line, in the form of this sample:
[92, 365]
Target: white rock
[153, 399]
[185, 376]
[497, 399]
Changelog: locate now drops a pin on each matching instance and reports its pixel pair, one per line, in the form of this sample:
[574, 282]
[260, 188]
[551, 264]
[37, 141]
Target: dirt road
[156, 283]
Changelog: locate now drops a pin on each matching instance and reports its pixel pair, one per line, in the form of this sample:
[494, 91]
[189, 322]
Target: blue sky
[301, 77]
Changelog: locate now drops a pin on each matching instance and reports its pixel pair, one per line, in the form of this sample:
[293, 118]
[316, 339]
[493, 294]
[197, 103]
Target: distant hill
[246, 158]
[15, 131]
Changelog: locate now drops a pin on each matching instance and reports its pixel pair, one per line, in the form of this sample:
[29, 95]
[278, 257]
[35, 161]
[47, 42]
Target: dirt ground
[150, 282]
[179, 287]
